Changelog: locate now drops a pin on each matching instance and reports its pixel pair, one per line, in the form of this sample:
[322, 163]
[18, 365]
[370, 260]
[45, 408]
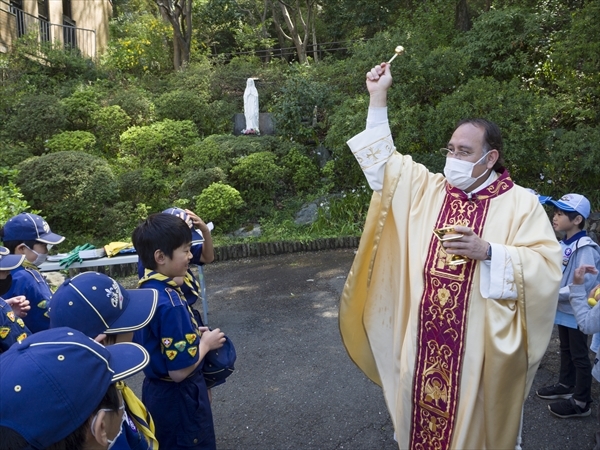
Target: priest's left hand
[470, 245]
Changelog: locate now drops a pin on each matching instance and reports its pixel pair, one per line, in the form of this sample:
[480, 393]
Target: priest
[449, 304]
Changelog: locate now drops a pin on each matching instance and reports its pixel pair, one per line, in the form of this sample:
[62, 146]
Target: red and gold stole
[443, 320]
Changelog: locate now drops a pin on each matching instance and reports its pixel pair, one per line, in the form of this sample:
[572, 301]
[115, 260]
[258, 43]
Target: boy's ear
[20, 249]
[577, 220]
[159, 257]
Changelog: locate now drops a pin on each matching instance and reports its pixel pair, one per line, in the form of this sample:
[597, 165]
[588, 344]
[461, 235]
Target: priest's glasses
[449, 234]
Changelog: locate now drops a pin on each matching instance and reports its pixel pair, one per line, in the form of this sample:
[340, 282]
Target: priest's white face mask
[459, 173]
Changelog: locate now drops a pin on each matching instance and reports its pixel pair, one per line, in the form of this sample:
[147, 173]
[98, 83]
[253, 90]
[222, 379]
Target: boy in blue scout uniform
[29, 235]
[105, 311]
[12, 327]
[202, 250]
[174, 390]
[575, 378]
[68, 379]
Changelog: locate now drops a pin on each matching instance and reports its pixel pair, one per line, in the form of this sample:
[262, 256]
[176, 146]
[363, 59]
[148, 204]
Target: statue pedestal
[265, 124]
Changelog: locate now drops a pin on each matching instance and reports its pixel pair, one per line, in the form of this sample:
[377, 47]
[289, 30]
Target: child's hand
[579, 274]
[19, 304]
[211, 339]
[197, 222]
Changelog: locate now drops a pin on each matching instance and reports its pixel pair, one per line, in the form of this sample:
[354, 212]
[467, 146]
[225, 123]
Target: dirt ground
[294, 385]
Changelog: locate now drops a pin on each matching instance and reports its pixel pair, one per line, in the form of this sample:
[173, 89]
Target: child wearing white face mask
[29, 235]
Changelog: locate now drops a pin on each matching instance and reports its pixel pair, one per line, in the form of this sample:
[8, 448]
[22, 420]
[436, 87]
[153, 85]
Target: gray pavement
[295, 387]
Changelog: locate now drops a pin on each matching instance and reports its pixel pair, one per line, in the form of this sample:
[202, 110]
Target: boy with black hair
[30, 235]
[575, 377]
[174, 390]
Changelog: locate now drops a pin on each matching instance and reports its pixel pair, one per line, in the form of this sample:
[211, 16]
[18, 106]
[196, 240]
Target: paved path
[294, 385]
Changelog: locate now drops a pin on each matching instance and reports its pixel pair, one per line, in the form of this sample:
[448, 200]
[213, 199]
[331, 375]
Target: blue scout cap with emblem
[573, 203]
[9, 262]
[94, 303]
[196, 236]
[53, 381]
[30, 227]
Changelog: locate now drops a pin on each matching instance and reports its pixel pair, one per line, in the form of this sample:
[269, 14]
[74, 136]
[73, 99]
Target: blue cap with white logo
[94, 303]
[30, 227]
[62, 375]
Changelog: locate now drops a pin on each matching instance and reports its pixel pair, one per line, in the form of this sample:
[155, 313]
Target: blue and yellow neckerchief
[153, 275]
[139, 414]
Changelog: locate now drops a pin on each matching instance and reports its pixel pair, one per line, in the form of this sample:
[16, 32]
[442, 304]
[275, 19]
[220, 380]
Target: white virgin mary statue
[251, 108]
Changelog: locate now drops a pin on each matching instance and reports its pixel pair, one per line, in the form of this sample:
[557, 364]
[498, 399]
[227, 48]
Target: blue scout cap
[573, 203]
[94, 303]
[53, 380]
[196, 236]
[8, 261]
[30, 227]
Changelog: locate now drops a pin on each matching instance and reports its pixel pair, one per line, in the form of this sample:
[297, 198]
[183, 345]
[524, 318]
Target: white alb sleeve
[373, 147]
[497, 278]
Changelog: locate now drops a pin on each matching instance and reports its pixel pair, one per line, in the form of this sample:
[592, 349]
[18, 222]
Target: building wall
[8, 28]
[88, 15]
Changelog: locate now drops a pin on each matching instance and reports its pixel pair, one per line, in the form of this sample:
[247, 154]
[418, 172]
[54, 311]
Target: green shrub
[71, 188]
[79, 108]
[11, 198]
[220, 204]
[145, 185]
[35, 119]
[77, 141]
[301, 170]
[12, 154]
[181, 105]
[136, 103]
[257, 177]
[196, 180]
[159, 144]
[300, 110]
[571, 164]
[108, 124]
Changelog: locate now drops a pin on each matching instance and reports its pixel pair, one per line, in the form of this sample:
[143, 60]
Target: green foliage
[79, 109]
[220, 204]
[159, 144]
[348, 118]
[136, 103]
[145, 185]
[11, 198]
[138, 44]
[108, 124]
[12, 154]
[506, 43]
[35, 119]
[196, 180]
[300, 110]
[257, 177]
[301, 170]
[571, 164]
[71, 188]
[343, 214]
[77, 141]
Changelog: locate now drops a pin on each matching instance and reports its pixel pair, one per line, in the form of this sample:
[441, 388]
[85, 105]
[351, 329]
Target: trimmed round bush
[219, 203]
[77, 141]
[70, 188]
[258, 177]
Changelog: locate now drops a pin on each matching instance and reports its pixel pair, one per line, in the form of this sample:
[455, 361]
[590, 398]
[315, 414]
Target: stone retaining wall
[238, 251]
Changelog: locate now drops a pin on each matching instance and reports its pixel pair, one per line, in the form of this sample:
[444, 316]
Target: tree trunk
[462, 20]
[179, 15]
